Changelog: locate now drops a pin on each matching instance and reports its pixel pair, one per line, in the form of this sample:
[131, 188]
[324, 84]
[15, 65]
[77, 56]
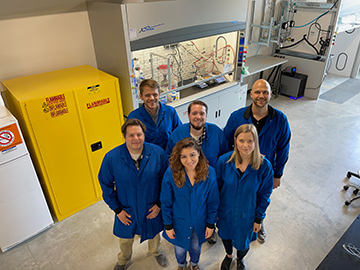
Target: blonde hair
[178, 172]
[256, 158]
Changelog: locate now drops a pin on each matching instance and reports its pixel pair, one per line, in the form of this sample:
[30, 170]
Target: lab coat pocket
[224, 217]
[249, 219]
[178, 223]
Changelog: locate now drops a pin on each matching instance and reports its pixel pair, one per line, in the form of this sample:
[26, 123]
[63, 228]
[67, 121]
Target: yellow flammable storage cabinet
[70, 118]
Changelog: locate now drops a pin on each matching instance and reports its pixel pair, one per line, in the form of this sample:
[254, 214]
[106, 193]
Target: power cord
[352, 249]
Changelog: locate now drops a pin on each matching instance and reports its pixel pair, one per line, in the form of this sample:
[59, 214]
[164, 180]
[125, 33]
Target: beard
[197, 127]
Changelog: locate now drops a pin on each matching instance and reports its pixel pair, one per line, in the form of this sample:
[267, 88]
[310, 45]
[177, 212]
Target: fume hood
[188, 47]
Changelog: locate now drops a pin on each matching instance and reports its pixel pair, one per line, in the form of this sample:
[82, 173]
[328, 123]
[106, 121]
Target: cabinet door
[61, 149]
[212, 102]
[100, 112]
[229, 101]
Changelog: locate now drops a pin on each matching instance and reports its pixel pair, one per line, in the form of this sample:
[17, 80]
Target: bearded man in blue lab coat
[130, 177]
[273, 129]
[160, 119]
[209, 137]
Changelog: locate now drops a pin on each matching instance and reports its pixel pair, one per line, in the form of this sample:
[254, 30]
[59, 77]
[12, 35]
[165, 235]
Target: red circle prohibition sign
[6, 138]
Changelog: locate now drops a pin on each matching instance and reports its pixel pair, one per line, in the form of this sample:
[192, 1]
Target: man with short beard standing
[273, 129]
[209, 136]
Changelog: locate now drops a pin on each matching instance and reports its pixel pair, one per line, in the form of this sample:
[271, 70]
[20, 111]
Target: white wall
[39, 44]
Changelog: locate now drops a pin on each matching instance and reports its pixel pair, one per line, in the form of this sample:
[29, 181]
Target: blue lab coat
[158, 134]
[274, 138]
[213, 146]
[242, 199]
[135, 191]
[189, 207]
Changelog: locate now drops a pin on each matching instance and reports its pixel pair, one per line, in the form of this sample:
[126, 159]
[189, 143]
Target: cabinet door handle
[216, 114]
[219, 113]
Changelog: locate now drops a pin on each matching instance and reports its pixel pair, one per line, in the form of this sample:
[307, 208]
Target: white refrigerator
[23, 208]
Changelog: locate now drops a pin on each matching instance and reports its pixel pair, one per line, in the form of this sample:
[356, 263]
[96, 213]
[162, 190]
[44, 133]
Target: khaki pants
[126, 248]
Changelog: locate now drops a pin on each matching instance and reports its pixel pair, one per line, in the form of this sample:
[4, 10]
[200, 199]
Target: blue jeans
[194, 252]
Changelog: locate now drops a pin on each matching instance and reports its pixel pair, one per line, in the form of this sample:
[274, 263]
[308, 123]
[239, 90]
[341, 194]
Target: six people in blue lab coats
[193, 196]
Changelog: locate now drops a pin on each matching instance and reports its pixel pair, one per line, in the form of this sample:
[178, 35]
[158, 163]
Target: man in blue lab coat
[209, 136]
[273, 129]
[130, 177]
[160, 119]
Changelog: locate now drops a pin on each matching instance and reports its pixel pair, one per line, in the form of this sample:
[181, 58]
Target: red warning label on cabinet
[98, 103]
[55, 105]
[9, 137]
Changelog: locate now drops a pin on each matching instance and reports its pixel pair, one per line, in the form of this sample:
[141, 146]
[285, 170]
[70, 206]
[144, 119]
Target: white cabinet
[23, 209]
[230, 101]
[220, 104]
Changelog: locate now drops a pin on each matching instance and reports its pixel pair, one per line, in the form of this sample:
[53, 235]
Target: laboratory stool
[355, 186]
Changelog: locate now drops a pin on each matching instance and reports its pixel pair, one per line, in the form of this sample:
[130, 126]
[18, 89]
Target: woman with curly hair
[245, 179]
[190, 200]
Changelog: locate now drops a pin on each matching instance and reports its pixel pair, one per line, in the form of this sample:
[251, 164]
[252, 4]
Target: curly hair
[178, 171]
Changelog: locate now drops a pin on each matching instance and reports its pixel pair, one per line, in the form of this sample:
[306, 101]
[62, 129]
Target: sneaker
[161, 260]
[261, 237]
[226, 263]
[181, 268]
[240, 265]
[194, 267]
[212, 239]
[119, 267]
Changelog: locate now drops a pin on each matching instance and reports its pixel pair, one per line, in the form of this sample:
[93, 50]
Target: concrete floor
[305, 219]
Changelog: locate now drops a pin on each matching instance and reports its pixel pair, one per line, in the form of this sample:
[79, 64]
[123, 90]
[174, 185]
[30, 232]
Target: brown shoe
[181, 268]
[196, 267]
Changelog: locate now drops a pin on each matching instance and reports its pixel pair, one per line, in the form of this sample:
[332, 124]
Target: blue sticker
[150, 28]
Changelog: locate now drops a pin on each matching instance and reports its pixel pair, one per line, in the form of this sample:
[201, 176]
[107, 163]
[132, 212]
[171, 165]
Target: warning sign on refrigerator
[9, 137]
[55, 105]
